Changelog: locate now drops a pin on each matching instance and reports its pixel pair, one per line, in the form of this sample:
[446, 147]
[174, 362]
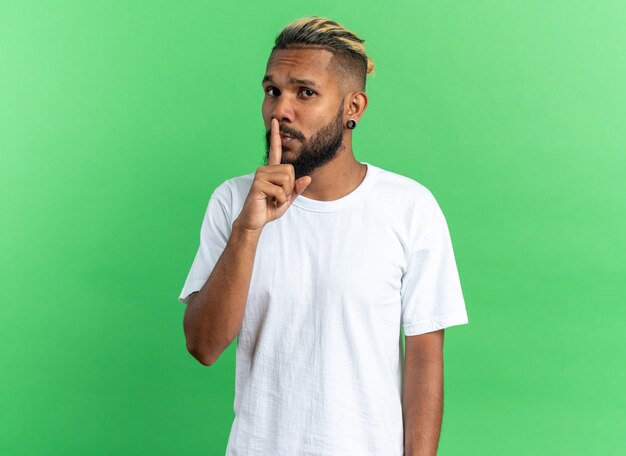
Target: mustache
[287, 131]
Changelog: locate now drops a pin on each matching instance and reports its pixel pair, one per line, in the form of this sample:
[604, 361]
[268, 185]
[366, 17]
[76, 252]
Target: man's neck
[337, 178]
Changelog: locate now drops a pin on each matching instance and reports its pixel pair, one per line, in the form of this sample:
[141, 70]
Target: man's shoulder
[401, 187]
[234, 188]
[407, 200]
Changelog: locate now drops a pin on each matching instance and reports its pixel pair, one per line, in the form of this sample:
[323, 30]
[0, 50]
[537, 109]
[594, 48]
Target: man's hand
[273, 190]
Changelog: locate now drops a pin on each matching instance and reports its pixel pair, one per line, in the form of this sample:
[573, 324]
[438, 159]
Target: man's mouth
[285, 139]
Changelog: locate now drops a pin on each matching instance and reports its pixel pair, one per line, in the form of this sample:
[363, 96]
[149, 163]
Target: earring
[351, 124]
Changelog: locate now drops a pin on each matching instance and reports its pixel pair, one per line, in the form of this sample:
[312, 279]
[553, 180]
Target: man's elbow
[200, 347]
[192, 342]
[204, 357]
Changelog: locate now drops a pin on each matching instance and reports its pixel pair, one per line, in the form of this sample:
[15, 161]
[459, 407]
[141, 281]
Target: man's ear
[356, 103]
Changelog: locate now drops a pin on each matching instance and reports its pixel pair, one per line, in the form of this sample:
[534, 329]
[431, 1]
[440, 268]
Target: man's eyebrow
[292, 80]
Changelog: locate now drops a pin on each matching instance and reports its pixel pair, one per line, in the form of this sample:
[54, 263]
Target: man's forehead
[299, 65]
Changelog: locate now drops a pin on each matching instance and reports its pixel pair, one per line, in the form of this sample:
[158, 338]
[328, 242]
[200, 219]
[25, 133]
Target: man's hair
[349, 61]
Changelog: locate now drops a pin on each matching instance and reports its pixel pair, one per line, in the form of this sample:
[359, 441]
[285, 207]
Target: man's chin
[292, 152]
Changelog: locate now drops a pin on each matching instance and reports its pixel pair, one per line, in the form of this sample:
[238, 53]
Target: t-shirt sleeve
[214, 234]
[431, 294]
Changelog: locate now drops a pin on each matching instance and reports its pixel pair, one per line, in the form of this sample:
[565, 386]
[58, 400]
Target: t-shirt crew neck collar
[351, 198]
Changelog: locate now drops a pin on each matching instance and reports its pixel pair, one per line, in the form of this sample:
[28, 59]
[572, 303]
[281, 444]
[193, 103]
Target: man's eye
[310, 92]
[268, 90]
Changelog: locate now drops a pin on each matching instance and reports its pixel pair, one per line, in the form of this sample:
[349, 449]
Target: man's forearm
[422, 407]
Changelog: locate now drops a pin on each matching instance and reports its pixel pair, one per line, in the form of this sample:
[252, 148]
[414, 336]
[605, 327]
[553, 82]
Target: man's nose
[283, 109]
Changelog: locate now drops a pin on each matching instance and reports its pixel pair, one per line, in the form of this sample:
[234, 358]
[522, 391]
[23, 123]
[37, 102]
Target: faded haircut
[350, 62]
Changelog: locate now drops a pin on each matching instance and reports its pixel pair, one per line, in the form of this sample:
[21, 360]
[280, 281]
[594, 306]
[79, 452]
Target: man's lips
[285, 139]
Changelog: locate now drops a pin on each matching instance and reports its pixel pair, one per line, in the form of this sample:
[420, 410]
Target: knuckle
[292, 172]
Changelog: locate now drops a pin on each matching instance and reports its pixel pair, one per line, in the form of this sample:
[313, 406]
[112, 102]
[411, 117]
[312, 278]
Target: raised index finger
[276, 148]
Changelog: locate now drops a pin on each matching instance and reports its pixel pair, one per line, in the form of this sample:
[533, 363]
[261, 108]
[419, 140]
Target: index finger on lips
[276, 148]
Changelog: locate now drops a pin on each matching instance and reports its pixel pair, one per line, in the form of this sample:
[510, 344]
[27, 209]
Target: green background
[118, 119]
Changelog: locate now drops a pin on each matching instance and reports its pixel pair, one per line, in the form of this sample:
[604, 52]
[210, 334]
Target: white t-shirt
[319, 357]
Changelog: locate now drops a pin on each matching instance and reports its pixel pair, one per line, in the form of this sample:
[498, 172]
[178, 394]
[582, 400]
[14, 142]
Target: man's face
[303, 95]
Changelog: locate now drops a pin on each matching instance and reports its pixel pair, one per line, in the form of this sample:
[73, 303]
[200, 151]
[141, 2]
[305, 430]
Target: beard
[318, 150]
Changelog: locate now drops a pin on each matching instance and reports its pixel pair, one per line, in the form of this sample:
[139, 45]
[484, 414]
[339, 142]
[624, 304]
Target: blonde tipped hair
[349, 57]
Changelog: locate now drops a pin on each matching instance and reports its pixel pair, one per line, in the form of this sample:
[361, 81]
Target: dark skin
[214, 315]
[304, 108]
[422, 395]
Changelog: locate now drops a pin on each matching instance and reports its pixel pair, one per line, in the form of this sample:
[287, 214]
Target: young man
[314, 262]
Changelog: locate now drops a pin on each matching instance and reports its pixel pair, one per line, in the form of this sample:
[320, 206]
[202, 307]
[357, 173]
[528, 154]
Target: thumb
[302, 183]
[299, 186]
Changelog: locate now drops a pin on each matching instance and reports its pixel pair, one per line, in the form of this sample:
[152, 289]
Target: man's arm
[215, 313]
[422, 396]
